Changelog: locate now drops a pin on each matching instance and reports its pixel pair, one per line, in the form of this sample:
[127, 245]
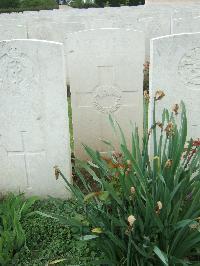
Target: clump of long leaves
[145, 208]
[12, 236]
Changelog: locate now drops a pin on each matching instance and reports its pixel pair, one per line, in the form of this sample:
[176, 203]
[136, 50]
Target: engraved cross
[25, 154]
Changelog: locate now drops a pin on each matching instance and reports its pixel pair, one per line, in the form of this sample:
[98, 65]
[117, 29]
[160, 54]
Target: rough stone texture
[186, 21]
[106, 77]
[51, 31]
[12, 31]
[175, 69]
[154, 24]
[34, 135]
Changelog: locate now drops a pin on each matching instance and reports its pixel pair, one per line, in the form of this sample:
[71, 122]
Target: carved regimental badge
[189, 68]
[16, 70]
[107, 98]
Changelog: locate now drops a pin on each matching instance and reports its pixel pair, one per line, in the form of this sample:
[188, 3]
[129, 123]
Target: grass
[47, 240]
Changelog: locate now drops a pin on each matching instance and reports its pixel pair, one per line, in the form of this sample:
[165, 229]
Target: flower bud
[168, 163]
[175, 109]
[131, 220]
[159, 95]
[132, 190]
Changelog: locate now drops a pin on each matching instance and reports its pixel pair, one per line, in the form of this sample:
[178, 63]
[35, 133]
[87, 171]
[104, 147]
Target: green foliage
[47, 240]
[9, 3]
[115, 3]
[82, 4]
[103, 3]
[145, 209]
[12, 237]
[40, 3]
[8, 6]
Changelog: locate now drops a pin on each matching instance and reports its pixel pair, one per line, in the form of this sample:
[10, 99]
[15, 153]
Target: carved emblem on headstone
[189, 68]
[107, 98]
[16, 70]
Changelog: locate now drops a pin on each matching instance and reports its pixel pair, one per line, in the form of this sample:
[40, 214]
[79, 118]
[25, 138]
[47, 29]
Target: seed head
[146, 95]
[160, 125]
[131, 220]
[159, 207]
[159, 95]
[57, 172]
[169, 129]
[132, 190]
[175, 109]
[168, 163]
[159, 204]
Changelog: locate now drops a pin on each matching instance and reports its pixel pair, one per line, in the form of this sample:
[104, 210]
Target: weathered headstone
[186, 21]
[34, 135]
[12, 31]
[175, 69]
[106, 77]
[45, 30]
[154, 24]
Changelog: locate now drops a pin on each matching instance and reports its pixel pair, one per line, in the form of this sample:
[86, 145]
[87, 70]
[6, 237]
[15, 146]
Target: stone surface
[10, 31]
[186, 21]
[44, 30]
[175, 68]
[34, 135]
[106, 77]
[154, 23]
[51, 31]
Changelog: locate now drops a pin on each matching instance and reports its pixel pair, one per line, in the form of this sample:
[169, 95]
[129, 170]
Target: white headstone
[45, 30]
[12, 31]
[154, 24]
[34, 135]
[175, 69]
[106, 77]
[186, 22]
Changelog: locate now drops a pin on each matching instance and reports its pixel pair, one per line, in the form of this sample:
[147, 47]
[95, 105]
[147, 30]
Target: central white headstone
[34, 135]
[106, 77]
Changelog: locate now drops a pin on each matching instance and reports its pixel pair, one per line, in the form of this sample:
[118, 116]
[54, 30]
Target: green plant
[83, 4]
[12, 236]
[38, 3]
[9, 3]
[144, 209]
[48, 241]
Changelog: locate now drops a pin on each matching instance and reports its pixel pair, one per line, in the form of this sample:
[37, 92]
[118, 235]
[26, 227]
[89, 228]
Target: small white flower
[131, 220]
[132, 190]
[159, 205]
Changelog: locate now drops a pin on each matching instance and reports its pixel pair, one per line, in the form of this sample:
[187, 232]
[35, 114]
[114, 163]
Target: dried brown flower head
[159, 95]
[175, 109]
[146, 65]
[128, 170]
[168, 163]
[146, 95]
[169, 129]
[160, 125]
[57, 172]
